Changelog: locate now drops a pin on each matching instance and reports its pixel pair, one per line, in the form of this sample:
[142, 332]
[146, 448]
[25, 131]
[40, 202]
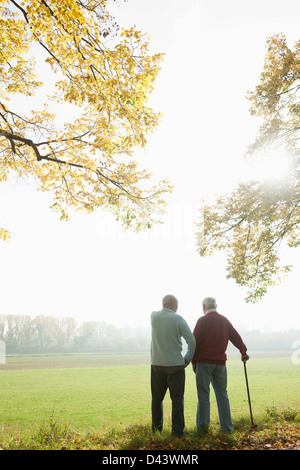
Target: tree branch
[12, 137]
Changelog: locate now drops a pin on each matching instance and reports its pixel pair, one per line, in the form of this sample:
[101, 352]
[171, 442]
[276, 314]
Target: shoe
[178, 435]
[202, 430]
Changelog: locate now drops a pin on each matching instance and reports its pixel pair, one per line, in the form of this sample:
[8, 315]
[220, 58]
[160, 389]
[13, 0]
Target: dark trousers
[172, 378]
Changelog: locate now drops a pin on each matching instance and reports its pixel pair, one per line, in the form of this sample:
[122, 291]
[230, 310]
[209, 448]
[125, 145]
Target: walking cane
[249, 401]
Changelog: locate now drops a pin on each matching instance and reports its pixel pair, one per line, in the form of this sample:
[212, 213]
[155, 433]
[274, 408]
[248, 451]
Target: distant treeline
[270, 341]
[22, 333]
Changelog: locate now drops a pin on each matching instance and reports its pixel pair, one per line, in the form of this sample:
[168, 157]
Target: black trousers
[172, 378]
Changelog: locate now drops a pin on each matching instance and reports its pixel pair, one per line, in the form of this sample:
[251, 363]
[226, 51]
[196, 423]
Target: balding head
[171, 302]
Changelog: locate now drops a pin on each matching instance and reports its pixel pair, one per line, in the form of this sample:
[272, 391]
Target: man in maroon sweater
[212, 333]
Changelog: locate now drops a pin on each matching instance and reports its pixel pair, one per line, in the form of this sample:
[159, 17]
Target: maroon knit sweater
[212, 333]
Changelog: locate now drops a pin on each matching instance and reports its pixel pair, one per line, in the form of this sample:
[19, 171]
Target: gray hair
[209, 302]
[168, 300]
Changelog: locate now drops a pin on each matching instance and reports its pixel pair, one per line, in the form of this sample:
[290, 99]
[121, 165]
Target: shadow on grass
[276, 429]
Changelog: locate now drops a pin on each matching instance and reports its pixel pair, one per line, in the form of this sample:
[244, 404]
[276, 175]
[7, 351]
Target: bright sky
[88, 268]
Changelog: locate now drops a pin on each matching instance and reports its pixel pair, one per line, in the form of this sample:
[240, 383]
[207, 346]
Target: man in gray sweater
[168, 364]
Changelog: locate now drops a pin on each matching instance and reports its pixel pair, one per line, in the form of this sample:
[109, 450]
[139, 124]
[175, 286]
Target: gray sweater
[166, 346]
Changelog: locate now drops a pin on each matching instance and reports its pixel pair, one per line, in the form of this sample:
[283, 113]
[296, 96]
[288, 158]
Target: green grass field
[94, 393]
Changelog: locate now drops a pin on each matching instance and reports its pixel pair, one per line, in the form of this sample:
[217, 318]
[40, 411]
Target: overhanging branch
[14, 137]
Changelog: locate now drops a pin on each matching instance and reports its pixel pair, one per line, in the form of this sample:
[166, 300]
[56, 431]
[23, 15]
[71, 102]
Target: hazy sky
[88, 268]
